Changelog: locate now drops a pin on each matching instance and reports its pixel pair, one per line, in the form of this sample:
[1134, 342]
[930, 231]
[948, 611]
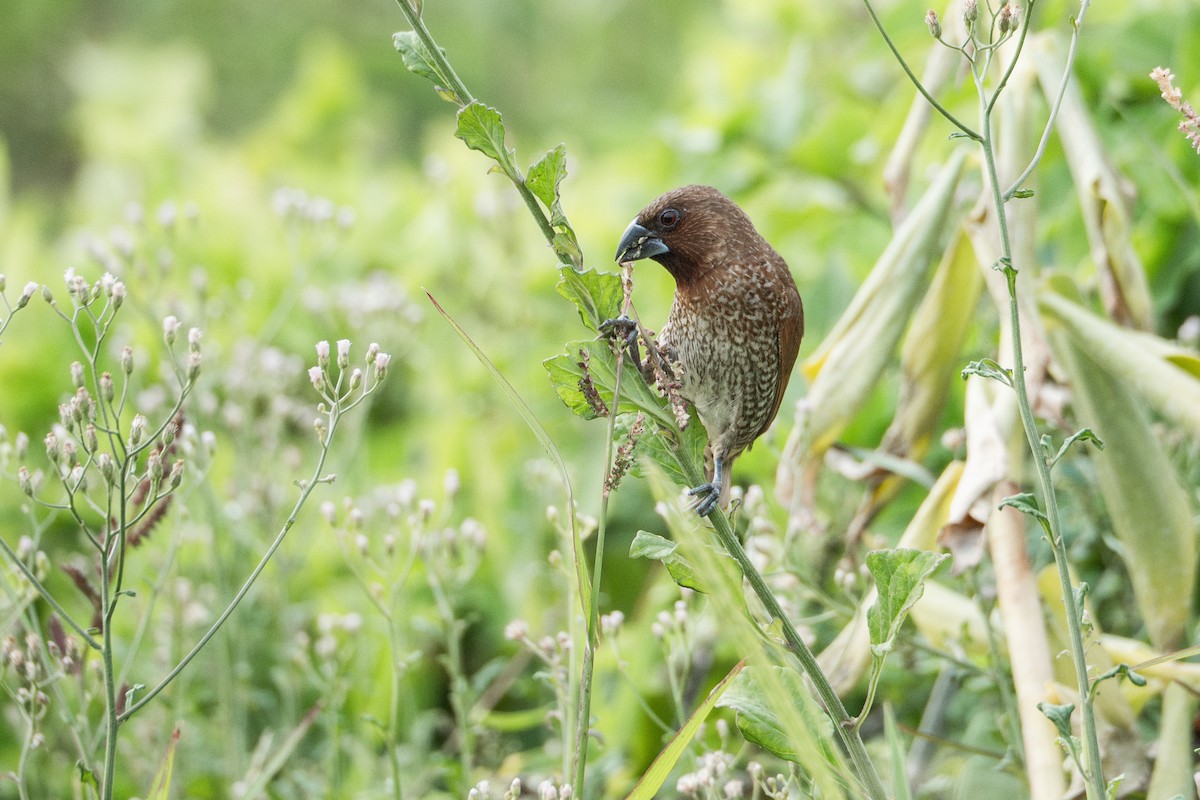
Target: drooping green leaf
[597, 295]
[764, 704]
[419, 61]
[1083, 435]
[1026, 503]
[988, 368]
[545, 176]
[900, 576]
[481, 128]
[652, 779]
[659, 548]
[673, 450]
[1060, 715]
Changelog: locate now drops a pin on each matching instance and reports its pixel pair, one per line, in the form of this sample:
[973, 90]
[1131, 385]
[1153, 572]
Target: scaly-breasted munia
[735, 324]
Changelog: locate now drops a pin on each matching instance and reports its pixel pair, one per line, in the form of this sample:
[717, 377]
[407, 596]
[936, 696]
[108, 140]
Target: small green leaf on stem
[1026, 503]
[597, 295]
[988, 368]
[481, 128]
[658, 548]
[1060, 715]
[545, 176]
[1021, 194]
[758, 715]
[900, 576]
[419, 61]
[1084, 435]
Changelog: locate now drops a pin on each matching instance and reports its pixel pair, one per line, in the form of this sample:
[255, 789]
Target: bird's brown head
[689, 231]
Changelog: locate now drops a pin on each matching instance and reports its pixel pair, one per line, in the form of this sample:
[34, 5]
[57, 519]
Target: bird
[735, 322]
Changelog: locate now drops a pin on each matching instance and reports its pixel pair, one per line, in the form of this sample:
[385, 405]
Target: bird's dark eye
[669, 218]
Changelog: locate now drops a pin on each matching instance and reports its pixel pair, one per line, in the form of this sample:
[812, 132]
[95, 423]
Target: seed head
[931, 22]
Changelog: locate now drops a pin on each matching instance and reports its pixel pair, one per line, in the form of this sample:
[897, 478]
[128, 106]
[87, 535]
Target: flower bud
[107, 390]
[77, 479]
[47, 295]
[127, 360]
[1010, 14]
[194, 340]
[25, 481]
[27, 294]
[381, 365]
[170, 325]
[168, 435]
[154, 467]
[68, 452]
[355, 379]
[3, 282]
[193, 366]
[372, 351]
[118, 294]
[137, 430]
[970, 12]
[322, 353]
[931, 22]
[343, 353]
[322, 431]
[176, 476]
[51, 442]
[317, 376]
[90, 443]
[107, 468]
[66, 416]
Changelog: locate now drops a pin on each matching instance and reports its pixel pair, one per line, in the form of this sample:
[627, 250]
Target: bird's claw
[709, 494]
[620, 327]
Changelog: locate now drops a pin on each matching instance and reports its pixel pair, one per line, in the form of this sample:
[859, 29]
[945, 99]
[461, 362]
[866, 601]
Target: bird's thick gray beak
[638, 242]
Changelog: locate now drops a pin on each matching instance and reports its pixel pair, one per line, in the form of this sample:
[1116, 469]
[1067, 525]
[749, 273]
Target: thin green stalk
[843, 723]
[966, 130]
[583, 722]
[464, 95]
[1093, 775]
[307, 490]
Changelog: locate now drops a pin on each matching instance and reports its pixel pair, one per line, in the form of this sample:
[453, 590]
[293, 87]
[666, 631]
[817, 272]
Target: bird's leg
[710, 493]
[626, 330]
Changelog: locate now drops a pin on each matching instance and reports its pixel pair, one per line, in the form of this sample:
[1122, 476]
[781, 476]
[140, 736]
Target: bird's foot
[622, 328]
[709, 495]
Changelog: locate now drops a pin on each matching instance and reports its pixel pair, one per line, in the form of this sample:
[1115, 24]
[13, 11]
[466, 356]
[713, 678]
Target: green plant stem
[1093, 775]
[953, 120]
[843, 723]
[306, 491]
[466, 98]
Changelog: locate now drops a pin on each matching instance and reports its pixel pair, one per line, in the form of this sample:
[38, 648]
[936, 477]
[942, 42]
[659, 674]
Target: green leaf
[987, 368]
[1084, 435]
[545, 176]
[597, 295]
[652, 546]
[654, 778]
[673, 450]
[1026, 503]
[419, 61]
[481, 128]
[636, 395]
[760, 705]
[1060, 715]
[900, 577]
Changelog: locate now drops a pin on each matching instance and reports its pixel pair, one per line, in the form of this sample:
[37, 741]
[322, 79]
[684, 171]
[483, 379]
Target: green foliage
[132, 148]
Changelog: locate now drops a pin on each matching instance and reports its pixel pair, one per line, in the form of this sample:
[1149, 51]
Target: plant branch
[953, 120]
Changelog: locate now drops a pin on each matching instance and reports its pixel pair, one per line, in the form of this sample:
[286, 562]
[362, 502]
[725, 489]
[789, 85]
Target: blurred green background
[118, 117]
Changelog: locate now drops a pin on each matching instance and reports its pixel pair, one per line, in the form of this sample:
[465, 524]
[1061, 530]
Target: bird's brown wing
[791, 331]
